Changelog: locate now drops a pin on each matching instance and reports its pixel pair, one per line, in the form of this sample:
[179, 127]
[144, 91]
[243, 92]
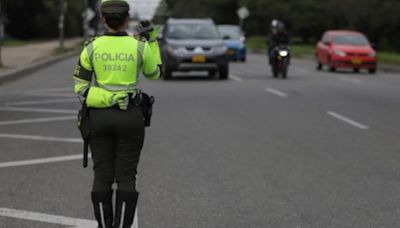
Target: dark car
[234, 40]
[193, 45]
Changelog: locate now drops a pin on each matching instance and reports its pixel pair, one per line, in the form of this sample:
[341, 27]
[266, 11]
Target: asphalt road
[318, 150]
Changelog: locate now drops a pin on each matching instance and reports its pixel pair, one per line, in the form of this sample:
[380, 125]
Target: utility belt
[139, 98]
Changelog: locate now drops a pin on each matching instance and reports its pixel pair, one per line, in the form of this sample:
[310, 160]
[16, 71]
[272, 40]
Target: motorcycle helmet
[274, 26]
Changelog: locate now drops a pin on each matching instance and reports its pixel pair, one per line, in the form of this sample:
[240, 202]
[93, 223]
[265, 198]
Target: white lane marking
[135, 219]
[41, 138]
[47, 218]
[42, 110]
[352, 80]
[54, 219]
[41, 161]
[236, 78]
[50, 94]
[276, 92]
[42, 102]
[61, 89]
[38, 120]
[348, 120]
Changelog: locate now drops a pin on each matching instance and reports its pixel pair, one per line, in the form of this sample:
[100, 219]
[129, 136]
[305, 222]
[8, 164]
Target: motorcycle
[280, 61]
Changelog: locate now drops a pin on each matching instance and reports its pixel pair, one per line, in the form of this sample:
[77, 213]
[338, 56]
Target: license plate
[356, 61]
[198, 58]
[231, 52]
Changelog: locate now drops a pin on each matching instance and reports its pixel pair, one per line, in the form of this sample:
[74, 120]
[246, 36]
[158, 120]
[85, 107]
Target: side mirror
[326, 43]
[226, 37]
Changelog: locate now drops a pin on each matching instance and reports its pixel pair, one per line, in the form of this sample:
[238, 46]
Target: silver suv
[193, 45]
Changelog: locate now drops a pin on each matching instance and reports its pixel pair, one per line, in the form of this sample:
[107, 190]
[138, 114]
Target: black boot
[125, 209]
[103, 210]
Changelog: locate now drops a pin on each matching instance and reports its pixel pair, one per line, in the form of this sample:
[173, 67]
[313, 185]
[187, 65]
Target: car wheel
[224, 72]
[243, 59]
[167, 74]
[372, 71]
[212, 73]
[331, 68]
[356, 70]
[319, 66]
[284, 74]
[275, 72]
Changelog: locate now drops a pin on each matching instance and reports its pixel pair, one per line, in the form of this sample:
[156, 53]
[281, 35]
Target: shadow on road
[193, 77]
[347, 72]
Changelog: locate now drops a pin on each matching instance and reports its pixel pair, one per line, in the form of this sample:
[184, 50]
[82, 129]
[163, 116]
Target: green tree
[39, 18]
[307, 19]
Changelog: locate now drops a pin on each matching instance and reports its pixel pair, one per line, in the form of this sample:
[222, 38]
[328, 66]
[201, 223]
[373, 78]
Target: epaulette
[87, 42]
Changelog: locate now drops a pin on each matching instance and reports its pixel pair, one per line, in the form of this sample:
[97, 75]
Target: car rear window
[192, 31]
[350, 39]
[232, 33]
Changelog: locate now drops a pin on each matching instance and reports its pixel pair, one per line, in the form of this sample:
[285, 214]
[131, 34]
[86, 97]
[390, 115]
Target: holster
[83, 123]
[146, 103]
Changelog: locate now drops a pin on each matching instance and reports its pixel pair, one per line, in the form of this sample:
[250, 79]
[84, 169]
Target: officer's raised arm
[151, 60]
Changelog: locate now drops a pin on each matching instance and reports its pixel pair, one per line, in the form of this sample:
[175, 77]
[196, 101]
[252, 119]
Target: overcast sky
[145, 8]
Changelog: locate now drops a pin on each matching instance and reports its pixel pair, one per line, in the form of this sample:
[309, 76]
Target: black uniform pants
[116, 139]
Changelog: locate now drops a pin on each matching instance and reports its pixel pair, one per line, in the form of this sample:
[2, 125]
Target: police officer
[113, 62]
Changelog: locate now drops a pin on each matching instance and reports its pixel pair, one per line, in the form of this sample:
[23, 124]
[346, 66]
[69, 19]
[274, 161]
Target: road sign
[243, 12]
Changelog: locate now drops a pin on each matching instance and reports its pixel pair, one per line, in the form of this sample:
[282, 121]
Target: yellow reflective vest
[116, 61]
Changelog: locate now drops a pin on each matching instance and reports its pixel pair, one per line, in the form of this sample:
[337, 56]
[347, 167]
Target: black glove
[144, 28]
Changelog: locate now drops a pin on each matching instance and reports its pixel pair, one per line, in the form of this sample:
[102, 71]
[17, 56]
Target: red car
[346, 49]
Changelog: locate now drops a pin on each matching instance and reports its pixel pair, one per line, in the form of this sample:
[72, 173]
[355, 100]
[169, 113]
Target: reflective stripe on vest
[89, 50]
[119, 87]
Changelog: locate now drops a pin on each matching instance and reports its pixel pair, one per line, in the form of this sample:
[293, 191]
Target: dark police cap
[114, 6]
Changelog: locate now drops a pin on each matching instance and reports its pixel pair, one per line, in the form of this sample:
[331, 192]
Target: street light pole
[1, 33]
[85, 22]
[61, 23]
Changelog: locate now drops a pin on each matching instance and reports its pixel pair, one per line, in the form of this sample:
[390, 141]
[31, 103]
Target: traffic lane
[62, 128]
[58, 75]
[54, 188]
[24, 112]
[23, 149]
[196, 93]
[304, 70]
[19, 131]
[199, 172]
[384, 96]
[296, 161]
[61, 188]
[373, 101]
[10, 223]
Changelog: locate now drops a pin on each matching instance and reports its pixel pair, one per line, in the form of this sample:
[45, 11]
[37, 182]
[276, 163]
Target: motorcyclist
[278, 35]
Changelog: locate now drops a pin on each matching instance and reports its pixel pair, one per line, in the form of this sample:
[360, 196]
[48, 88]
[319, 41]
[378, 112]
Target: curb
[18, 73]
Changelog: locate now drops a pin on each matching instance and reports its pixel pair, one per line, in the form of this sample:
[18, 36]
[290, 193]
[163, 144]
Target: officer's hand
[144, 28]
[154, 33]
[122, 100]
